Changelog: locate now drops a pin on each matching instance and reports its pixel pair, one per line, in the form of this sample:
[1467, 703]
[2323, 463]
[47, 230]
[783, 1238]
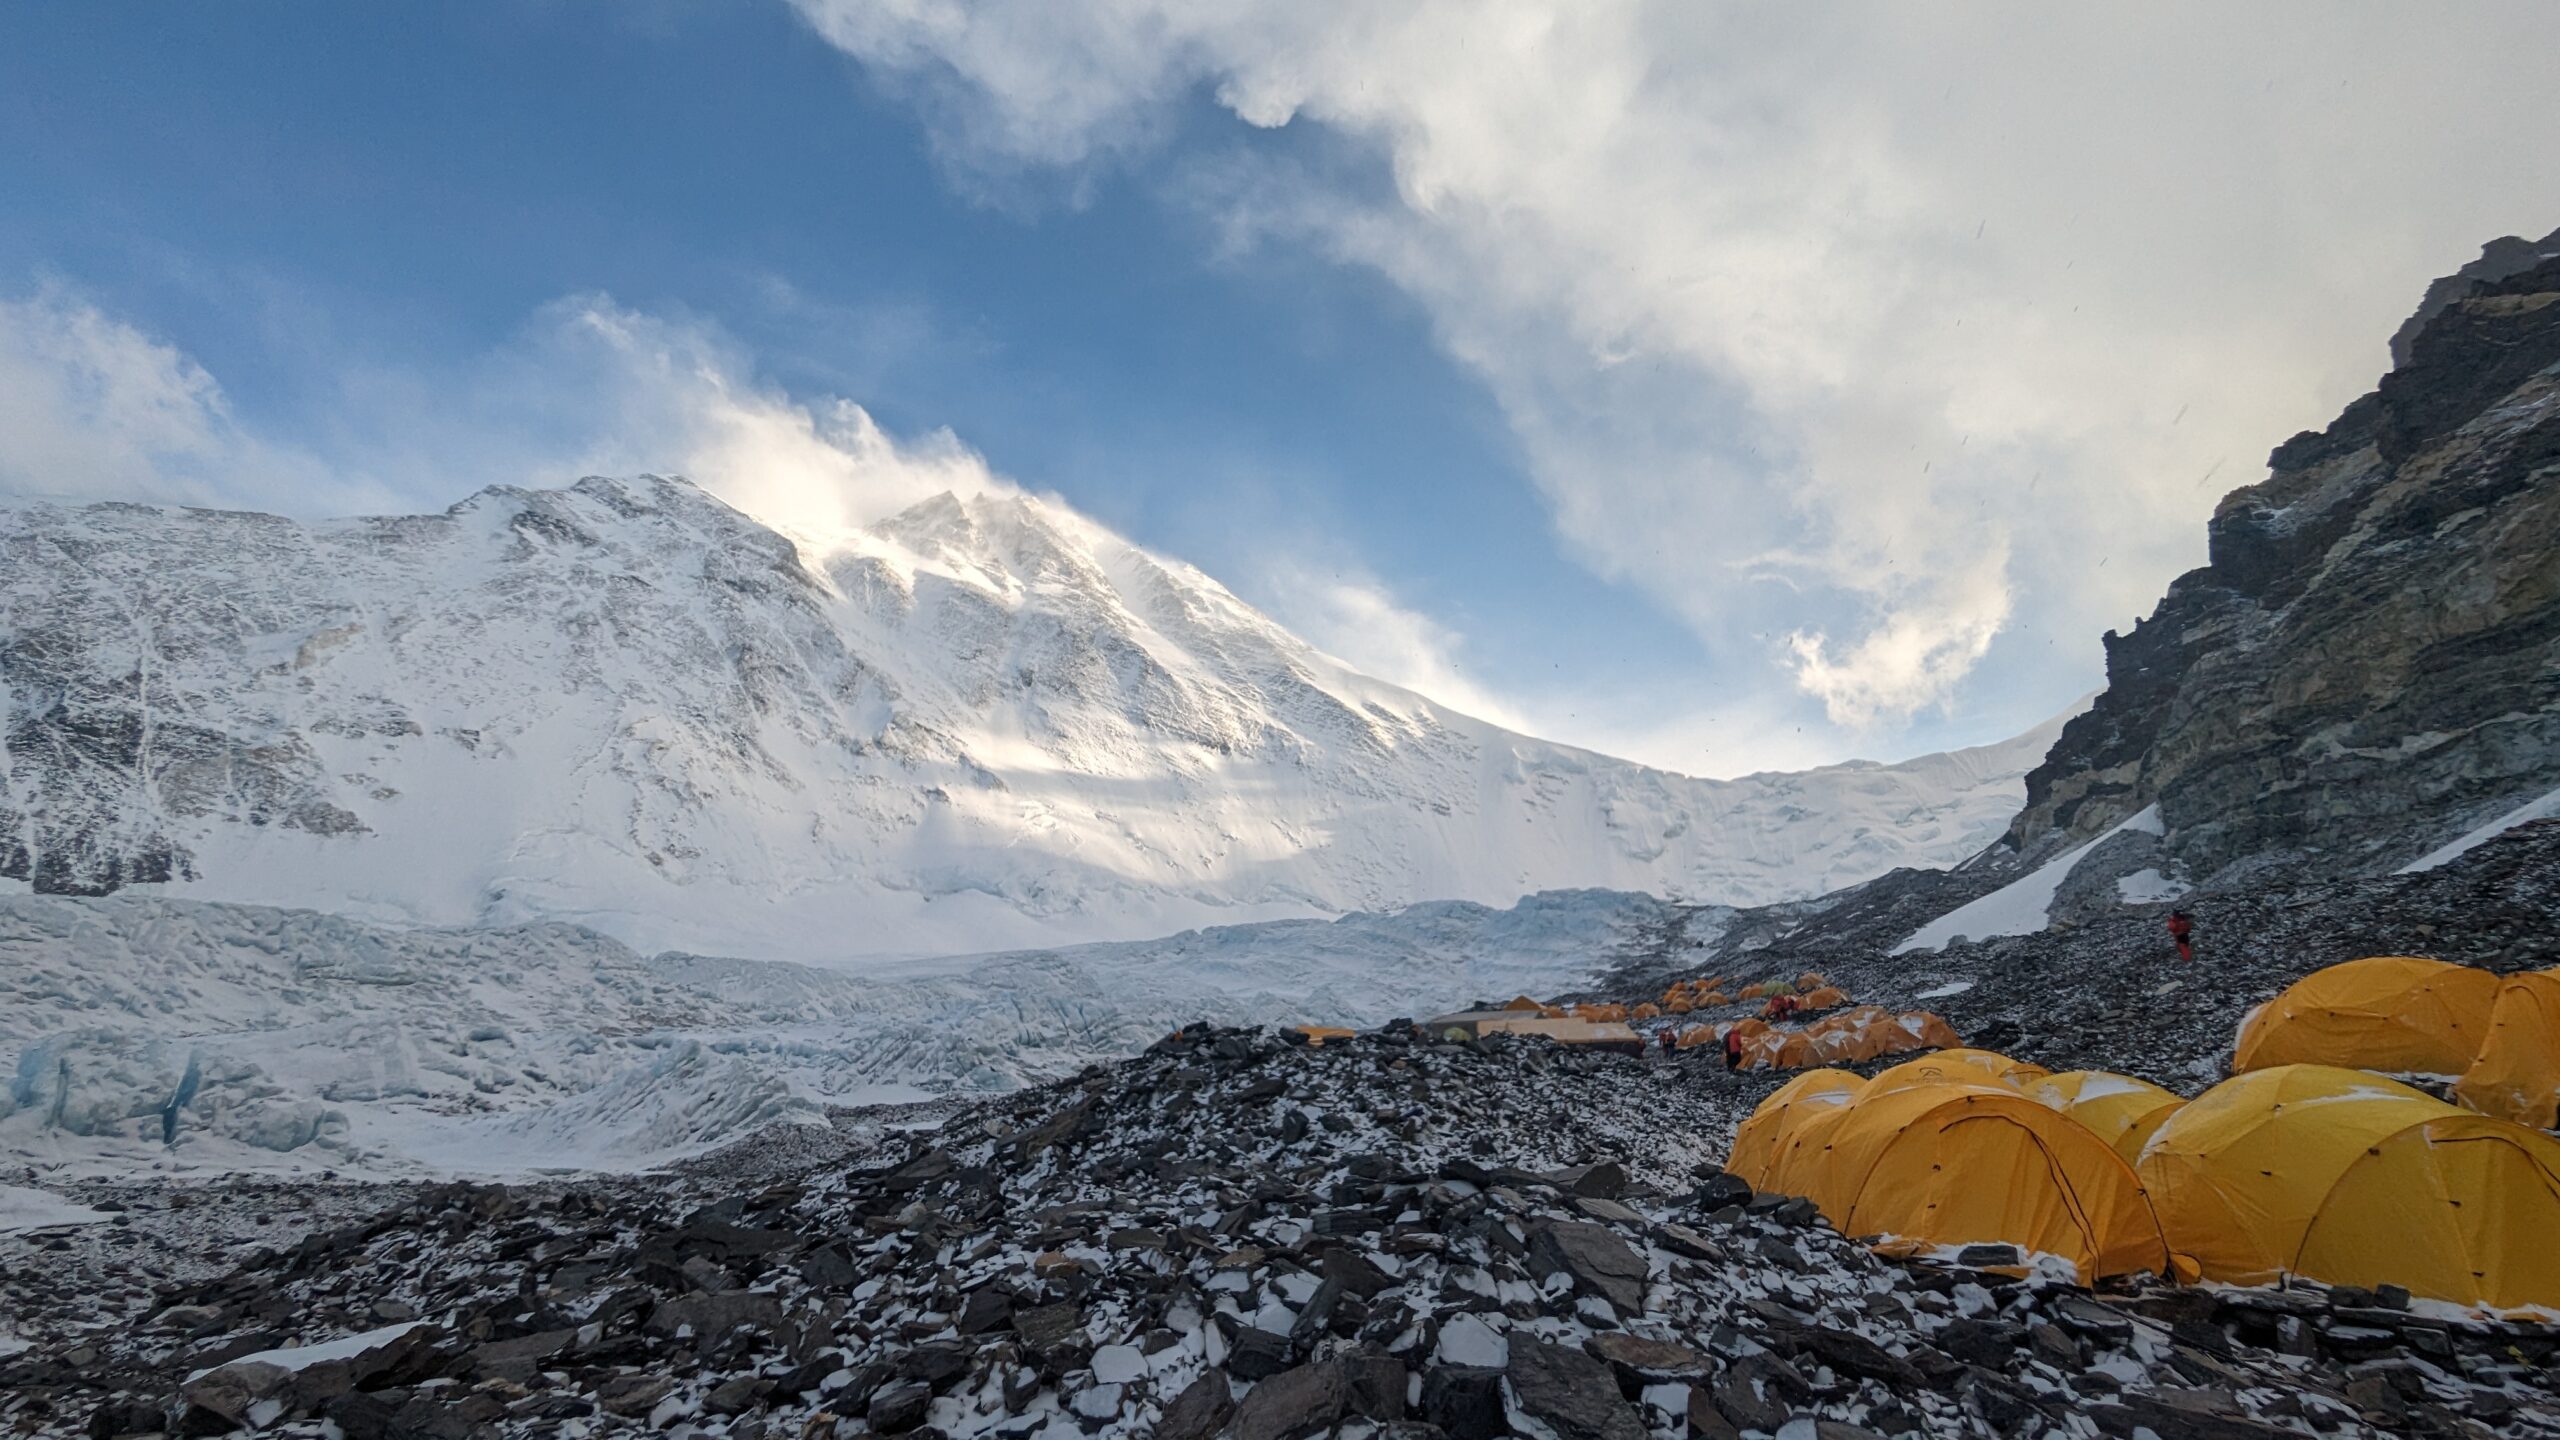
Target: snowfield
[981, 724]
[144, 1032]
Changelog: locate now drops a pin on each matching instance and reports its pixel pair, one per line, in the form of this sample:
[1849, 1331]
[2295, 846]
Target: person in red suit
[2182, 928]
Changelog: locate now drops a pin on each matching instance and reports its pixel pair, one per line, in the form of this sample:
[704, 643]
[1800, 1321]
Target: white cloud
[92, 408]
[1356, 619]
[1851, 333]
[666, 395]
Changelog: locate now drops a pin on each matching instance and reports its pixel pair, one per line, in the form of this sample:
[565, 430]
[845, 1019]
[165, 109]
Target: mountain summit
[984, 722]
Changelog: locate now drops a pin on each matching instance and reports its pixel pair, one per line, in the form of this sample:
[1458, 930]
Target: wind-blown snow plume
[1850, 333]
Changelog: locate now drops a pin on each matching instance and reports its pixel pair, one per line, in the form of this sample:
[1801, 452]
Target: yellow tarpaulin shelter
[1960, 1163]
[2238, 1172]
[2392, 1013]
[2122, 1110]
[2460, 1208]
[1756, 1140]
[2516, 1075]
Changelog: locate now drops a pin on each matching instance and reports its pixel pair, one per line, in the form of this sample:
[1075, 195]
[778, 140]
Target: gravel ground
[1389, 1236]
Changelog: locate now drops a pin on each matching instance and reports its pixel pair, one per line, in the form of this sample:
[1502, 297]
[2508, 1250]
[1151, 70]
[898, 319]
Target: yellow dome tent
[2122, 1110]
[2137, 1136]
[1804, 1148]
[2459, 1208]
[2392, 1013]
[1961, 1163]
[2238, 1172]
[1757, 1139]
[1962, 1065]
[2516, 1075]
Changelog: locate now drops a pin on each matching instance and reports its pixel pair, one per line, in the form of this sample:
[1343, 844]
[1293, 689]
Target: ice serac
[136, 1029]
[982, 723]
[2369, 666]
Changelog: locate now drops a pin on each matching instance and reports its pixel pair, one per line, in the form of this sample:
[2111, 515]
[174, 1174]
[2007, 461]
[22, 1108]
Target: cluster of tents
[1862, 1032]
[1810, 991]
[2496, 1039]
[2300, 1164]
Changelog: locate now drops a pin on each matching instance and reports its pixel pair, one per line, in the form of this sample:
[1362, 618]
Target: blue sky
[1599, 367]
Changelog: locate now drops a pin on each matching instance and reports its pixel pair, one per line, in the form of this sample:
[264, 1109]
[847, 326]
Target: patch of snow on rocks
[2022, 906]
[2542, 807]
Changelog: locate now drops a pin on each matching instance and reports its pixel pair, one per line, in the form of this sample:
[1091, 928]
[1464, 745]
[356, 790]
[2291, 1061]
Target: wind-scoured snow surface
[140, 1032]
[982, 724]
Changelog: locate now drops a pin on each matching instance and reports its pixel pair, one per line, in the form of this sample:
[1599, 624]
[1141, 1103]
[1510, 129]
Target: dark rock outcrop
[2370, 662]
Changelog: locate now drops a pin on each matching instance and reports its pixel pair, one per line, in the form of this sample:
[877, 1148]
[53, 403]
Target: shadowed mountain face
[982, 723]
[2370, 663]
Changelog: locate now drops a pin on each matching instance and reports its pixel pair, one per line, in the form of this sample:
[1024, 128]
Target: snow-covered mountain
[984, 723]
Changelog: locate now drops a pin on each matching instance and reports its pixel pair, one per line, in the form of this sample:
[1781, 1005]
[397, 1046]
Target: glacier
[194, 1036]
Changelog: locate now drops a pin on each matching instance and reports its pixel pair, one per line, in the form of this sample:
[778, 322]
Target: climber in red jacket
[2182, 928]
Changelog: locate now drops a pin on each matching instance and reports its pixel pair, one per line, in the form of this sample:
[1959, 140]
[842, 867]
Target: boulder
[1570, 1393]
[1598, 1261]
[1293, 1403]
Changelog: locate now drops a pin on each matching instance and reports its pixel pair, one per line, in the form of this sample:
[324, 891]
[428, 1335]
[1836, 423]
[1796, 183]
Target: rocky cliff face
[2370, 662]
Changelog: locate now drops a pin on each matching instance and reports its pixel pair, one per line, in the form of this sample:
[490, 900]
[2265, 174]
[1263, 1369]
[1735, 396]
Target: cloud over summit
[1858, 336]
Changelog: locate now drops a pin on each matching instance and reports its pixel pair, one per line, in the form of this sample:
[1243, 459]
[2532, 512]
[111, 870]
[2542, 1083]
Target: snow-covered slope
[145, 1032]
[2024, 906]
[983, 723]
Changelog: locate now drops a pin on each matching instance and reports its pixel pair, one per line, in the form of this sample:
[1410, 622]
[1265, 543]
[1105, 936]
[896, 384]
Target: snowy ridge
[982, 723]
[137, 1031]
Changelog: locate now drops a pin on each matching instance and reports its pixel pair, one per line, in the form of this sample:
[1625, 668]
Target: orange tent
[2516, 1075]
[1957, 1067]
[1811, 980]
[2124, 1111]
[1757, 1141]
[1925, 1030]
[1798, 1050]
[1523, 1002]
[1714, 998]
[2459, 1208]
[1959, 1163]
[1825, 997]
[1864, 1033]
[1646, 1011]
[2396, 1014]
[1678, 1005]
